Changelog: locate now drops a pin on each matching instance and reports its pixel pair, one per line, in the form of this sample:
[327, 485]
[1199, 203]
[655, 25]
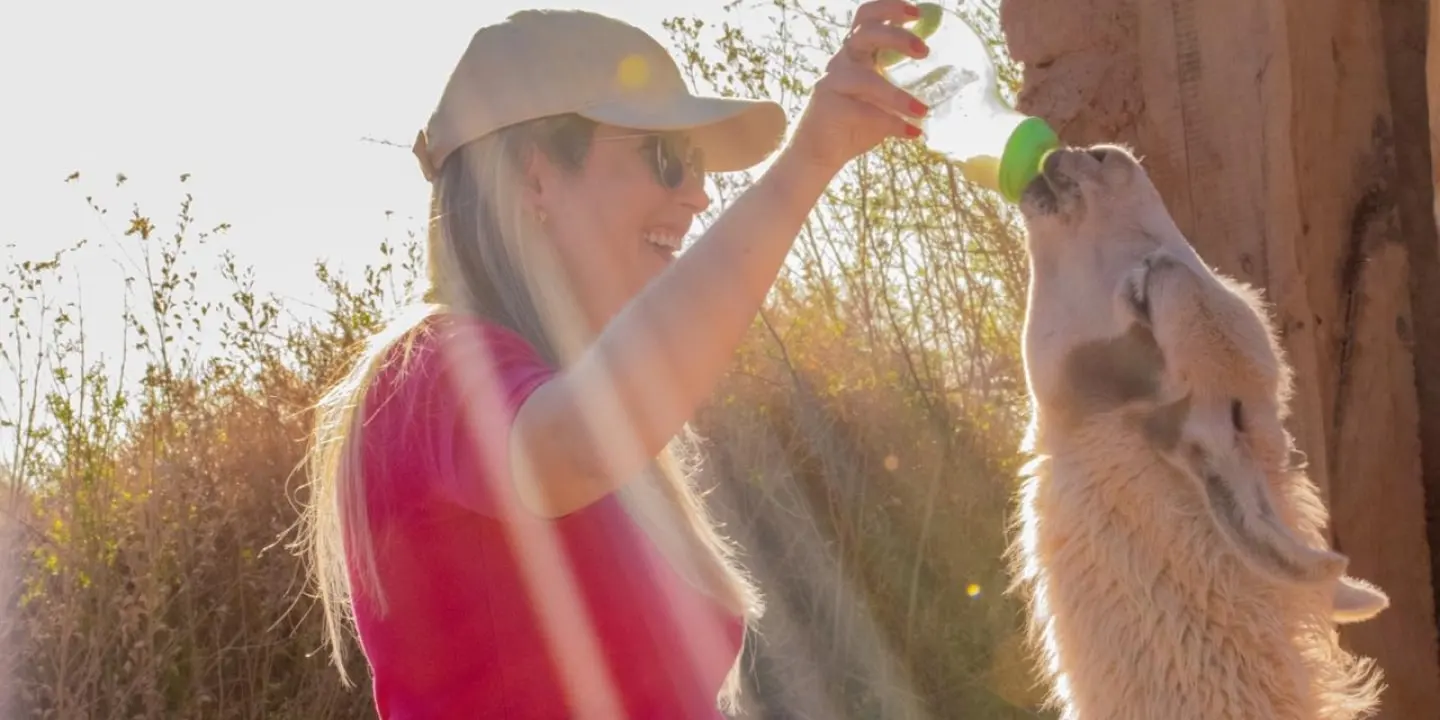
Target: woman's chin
[656, 260]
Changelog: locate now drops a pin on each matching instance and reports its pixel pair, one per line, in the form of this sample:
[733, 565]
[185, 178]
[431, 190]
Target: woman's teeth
[663, 243]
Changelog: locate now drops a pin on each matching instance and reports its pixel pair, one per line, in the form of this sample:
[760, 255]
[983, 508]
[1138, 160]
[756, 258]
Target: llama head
[1090, 217]
[1126, 323]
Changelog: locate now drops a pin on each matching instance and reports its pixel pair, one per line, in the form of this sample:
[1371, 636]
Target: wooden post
[1410, 33]
[1288, 138]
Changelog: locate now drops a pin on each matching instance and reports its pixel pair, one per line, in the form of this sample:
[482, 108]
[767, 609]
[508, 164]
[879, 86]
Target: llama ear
[1356, 600]
[1237, 495]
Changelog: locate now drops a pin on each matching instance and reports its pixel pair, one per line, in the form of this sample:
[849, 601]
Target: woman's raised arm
[596, 424]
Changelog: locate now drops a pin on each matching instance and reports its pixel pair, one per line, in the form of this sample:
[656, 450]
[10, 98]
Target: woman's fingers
[852, 71]
[865, 41]
[871, 87]
[884, 11]
[880, 109]
[894, 126]
[853, 106]
[876, 27]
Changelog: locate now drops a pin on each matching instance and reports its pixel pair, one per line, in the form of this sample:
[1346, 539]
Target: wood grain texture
[1410, 32]
[1287, 140]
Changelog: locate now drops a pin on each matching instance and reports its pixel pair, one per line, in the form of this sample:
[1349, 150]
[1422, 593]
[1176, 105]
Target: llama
[1168, 544]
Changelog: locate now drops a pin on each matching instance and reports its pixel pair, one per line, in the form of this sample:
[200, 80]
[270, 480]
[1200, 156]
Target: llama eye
[1237, 416]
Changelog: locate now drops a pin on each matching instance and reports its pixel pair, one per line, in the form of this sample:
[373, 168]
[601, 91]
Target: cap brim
[734, 134]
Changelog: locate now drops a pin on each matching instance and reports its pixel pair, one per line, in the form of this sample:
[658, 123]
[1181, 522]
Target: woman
[487, 502]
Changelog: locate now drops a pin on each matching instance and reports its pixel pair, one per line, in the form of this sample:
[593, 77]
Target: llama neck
[1144, 613]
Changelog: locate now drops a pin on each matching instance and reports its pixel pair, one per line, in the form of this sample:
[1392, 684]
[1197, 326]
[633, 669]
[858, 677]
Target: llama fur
[1168, 543]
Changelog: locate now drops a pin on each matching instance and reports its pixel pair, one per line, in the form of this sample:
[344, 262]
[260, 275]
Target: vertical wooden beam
[1432, 86]
[1269, 129]
[1412, 39]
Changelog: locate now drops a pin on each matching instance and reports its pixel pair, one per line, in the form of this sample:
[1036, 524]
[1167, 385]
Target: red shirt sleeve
[444, 429]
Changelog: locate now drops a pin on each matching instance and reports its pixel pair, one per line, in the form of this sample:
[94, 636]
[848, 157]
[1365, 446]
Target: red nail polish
[918, 108]
[912, 10]
[919, 46]
[912, 131]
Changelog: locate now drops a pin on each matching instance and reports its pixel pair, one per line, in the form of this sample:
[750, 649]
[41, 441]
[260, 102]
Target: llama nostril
[1050, 166]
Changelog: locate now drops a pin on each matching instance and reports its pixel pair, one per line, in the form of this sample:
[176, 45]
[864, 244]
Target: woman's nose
[692, 192]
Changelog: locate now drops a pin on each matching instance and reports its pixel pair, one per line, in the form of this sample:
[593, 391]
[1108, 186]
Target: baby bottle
[969, 121]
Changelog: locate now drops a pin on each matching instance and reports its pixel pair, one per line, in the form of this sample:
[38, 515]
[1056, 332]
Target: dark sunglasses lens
[672, 161]
[668, 165]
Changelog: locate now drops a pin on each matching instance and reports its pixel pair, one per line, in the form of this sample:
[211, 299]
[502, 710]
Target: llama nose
[1050, 167]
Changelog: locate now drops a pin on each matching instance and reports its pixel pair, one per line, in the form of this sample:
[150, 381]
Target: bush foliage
[862, 450]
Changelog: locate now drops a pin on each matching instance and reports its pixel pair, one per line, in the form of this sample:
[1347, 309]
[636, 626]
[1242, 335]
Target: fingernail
[912, 131]
[919, 46]
[912, 10]
[918, 108]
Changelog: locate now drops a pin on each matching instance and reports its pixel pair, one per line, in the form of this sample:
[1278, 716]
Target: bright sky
[265, 103]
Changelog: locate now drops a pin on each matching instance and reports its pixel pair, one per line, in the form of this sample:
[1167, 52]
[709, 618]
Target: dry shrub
[154, 580]
[861, 449]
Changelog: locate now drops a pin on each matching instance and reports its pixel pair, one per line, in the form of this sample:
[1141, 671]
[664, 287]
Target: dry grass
[862, 450]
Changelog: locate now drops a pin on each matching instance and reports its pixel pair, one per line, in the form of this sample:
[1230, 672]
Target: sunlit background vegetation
[863, 446]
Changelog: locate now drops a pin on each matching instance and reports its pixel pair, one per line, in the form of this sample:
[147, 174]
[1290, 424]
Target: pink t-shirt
[494, 612]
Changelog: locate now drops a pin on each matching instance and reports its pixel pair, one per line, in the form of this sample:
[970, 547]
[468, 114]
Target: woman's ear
[540, 181]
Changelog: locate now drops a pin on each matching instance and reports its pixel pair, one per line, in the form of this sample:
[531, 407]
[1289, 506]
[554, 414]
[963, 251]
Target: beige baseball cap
[538, 63]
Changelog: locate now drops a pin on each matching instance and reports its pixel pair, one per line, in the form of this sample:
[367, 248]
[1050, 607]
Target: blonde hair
[484, 260]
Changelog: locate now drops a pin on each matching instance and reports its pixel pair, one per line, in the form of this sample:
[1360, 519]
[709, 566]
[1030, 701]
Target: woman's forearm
[594, 426]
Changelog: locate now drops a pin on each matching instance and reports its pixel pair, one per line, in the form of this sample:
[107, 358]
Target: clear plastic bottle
[969, 122]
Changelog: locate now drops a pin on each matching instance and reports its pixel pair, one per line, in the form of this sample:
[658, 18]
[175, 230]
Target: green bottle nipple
[1024, 156]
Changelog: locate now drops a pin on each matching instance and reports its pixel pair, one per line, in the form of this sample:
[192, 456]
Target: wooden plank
[1378, 502]
[1412, 55]
[1432, 85]
[1356, 272]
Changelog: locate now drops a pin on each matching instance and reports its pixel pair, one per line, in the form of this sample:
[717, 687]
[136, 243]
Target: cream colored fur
[1171, 552]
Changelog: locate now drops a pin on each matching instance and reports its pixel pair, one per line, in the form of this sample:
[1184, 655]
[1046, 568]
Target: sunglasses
[670, 156]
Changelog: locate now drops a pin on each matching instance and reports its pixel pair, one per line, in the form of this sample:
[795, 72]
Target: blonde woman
[495, 503]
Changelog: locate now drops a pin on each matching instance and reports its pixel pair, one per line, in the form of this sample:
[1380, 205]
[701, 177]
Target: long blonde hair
[484, 259]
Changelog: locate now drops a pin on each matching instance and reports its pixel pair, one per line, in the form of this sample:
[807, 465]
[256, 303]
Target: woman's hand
[853, 107]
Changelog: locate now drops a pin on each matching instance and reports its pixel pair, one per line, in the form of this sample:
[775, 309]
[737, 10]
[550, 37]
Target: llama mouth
[1039, 198]
[1044, 193]
[1061, 182]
